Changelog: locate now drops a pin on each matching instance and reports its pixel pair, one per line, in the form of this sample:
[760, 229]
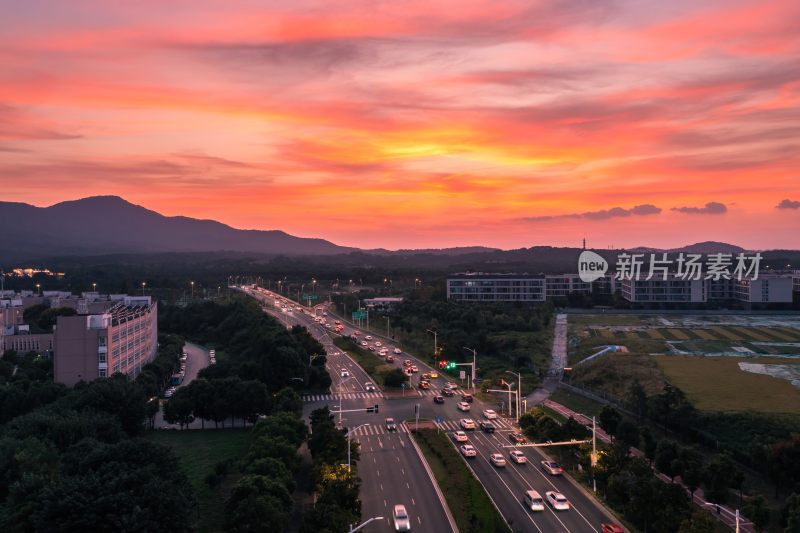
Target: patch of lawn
[718, 384]
[471, 507]
[577, 403]
[198, 452]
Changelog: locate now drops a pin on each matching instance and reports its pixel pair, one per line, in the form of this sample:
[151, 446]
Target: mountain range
[102, 225]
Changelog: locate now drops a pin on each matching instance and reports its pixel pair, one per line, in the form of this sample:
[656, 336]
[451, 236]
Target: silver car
[401, 520]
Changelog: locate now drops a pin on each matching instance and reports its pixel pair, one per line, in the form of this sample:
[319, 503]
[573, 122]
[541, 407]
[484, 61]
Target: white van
[533, 501]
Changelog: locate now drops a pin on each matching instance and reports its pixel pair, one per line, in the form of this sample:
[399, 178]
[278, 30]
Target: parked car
[557, 500]
[497, 460]
[468, 450]
[460, 436]
[517, 438]
[518, 457]
[464, 406]
[552, 468]
[401, 520]
[489, 414]
[438, 399]
[486, 426]
[533, 501]
[467, 423]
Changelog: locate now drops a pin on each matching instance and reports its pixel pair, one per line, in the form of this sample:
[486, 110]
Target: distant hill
[109, 224]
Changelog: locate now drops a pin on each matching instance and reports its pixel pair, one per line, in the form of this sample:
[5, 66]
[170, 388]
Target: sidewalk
[557, 364]
[725, 514]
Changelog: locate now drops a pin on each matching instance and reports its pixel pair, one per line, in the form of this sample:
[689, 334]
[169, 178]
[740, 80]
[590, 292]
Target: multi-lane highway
[388, 452]
[391, 468]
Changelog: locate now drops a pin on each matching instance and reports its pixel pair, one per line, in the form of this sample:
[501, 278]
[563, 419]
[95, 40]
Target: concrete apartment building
[120, 338]
[767, 288]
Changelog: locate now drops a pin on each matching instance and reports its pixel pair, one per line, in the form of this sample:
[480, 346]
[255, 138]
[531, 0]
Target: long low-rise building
[122, 338]
[497, 287]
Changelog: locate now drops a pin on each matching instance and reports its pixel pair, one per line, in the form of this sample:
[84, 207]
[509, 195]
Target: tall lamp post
[143, 285]
[354, 529]
[519, 389]
[192, 284]
[348, 443]
[474, 360]
[435, 344]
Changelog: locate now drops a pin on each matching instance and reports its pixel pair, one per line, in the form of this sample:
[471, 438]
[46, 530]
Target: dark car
[467, 398]
[517, 438]
[447, 392]
[611, 528]
[487, 426]
[438, 399]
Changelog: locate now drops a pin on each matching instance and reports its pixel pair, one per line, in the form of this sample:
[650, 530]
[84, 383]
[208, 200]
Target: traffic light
[373, 409]
[442, 364]
[451, 366]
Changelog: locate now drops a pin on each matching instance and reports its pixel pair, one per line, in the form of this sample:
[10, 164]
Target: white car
[364, 343]
[369, 387]
[368, 337]
[497, 460]
[557, 500]
[401, 520]
[489, 414]
[378, 344]
[467, 423]
[468, 450]
[460, 436]
[552, 468]
[518, 457]
[533, 501]
[398, 351]
[345, 373]
[463, 406]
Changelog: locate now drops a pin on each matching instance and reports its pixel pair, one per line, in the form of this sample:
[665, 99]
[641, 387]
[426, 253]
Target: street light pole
[353, 530]
[519, 388]
[435, 345]
[474, 359]
[348, 443]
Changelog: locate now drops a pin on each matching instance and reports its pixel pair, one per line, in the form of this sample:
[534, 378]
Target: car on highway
[460, 436]
[451, 386]
[425, 376]
[424, 384]
[414, 368]
[517, 438]
[557, 500]
[468, 450]
[467, 423]
[356, 333]
[391, 425]
[378, 344]
[489, 414]
[344, 373]
[533, 500]
[467, 398]
[434, 375]
[390, 359]
[497, 460]
[369, 387]
[407, 362]
[383, 353]
[611, 528]
[398, 351]
[518, 457]
[408, 371]
[447, 392]
[552, 468]
[364, 343]
[438, 399]
[486, 426]
[371, 348]
[368, 337]
[464, 406]
[401, 520]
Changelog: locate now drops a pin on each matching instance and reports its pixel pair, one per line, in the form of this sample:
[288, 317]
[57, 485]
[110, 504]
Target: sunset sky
[419, 123]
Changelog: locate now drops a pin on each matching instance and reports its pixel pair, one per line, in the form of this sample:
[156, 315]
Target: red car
[611, 528]
[518, 438]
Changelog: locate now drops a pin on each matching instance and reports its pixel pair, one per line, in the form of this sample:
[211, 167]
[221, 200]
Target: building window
[101, 372]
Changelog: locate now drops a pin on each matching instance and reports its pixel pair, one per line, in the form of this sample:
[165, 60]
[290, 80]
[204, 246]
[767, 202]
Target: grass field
[718, 384]
[198, 452]
[577, 403]
[468, 501]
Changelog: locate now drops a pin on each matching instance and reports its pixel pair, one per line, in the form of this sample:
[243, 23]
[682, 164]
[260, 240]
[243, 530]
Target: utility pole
[474, 360]
[435, 344]
[519, 389]
[594, 453]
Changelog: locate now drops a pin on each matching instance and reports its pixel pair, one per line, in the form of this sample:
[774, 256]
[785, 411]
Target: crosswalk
[343, 396]
[455, 425]
[373, 430]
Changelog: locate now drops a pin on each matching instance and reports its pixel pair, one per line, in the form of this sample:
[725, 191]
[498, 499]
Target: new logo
[591, 266]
